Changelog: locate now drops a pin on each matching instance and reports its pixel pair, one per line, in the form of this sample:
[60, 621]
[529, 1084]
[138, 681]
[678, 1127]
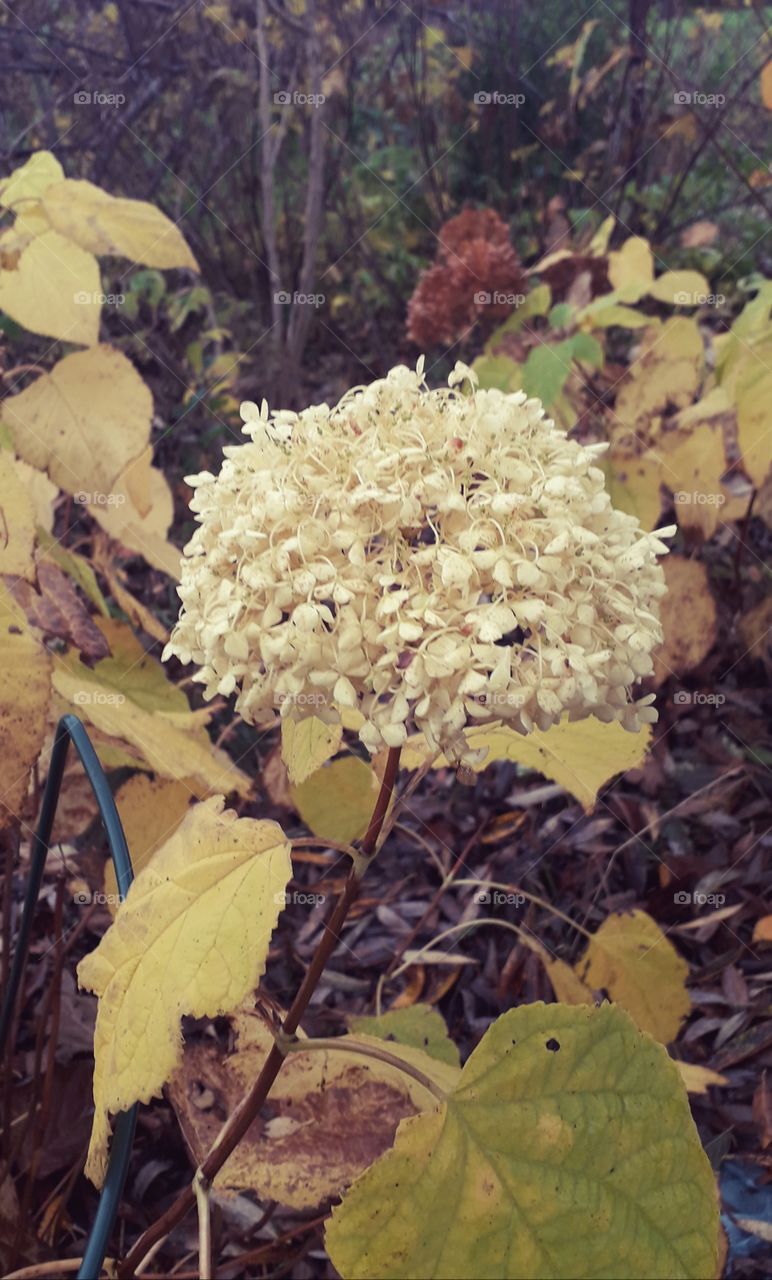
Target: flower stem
[251, 1104]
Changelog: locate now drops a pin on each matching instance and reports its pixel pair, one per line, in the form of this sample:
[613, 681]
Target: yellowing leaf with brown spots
[337, 801]
[631, 958]
[688, 614]
[331, 1112]
[306, 744]
[83, 422]
[107, 224]
[25, 688]
[418, 1025]
[54, 289]
[566, 1149]
[191, 938]
[580, 755]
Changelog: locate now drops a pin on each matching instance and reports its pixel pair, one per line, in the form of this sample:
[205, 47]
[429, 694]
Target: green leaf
[546, 369]
[560, 315]
[418, 1025]
[495, 372]
[588, 350]
[337, 801]
[567, 1149]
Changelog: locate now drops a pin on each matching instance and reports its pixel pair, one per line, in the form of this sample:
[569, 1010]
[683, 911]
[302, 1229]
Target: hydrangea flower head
[434, 559]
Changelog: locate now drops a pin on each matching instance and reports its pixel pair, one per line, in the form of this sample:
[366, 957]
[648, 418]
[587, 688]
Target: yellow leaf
[632, 268]
[688, 614]
[632, 960]
[566, 983]
[106, 224]
[151, 809]
[682, 288]
[24, 693]
[667, 373]
[191, 938]
[633, 483]
[762, 930]
[129, 698]
[41, 491]
[580, 755]
[337, 801]
[698, 1078]
[692, 469]
[140, 514]
[17, 522]
[30, 181]
[754, 433]
[83, 422]
[55, 290]
[332, 1112]
[306, 744]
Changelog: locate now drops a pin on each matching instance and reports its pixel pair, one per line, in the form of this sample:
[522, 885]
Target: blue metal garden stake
[70, 729]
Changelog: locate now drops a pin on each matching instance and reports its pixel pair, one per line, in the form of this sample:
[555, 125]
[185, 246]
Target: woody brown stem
[252, 1103]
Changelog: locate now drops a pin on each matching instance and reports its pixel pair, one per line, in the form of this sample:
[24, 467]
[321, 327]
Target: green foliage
[566, 1149]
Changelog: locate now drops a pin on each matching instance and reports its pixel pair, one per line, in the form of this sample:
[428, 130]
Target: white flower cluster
[436, 559]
